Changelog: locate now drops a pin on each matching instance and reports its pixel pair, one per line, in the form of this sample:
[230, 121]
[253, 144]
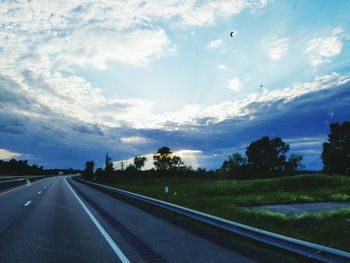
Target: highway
[57, 219]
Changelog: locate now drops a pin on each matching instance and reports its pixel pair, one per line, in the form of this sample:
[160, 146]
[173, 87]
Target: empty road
[59, 220]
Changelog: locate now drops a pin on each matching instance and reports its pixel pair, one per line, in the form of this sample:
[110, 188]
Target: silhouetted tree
[234, 167]
[294, 164]
[108, 170]
[99, 173]
[139, 162]
[267, 157]
[88, 172]
[165, 160]
[130, 167]
[21, 167]
[201, 170]
[336, 151]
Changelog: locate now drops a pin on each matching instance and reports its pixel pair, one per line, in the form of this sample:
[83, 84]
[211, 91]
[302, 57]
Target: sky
[79, 79]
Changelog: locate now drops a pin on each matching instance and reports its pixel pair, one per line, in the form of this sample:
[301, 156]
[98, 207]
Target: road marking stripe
[28, 203]
[110, 241]
[25, 185]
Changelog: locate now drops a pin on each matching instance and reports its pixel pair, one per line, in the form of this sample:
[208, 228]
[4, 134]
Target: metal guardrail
[13, 182]
[308, 250]
[18, 181]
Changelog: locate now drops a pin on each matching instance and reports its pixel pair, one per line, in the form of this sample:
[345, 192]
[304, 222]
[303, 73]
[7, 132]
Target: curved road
[59, 220]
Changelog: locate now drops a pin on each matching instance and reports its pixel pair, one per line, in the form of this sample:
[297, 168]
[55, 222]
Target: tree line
[164, 161]
[22, 167]
[263, 158]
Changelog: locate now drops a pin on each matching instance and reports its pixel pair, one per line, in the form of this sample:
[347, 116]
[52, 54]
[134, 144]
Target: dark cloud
[54, 140]
[10, 94]
[41, 85]
[305, 116]
[89, 129]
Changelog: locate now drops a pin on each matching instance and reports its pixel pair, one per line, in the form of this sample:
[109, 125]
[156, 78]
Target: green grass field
[225, 198]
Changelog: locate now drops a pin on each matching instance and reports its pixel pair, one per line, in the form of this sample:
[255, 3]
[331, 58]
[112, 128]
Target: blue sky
[82, 78]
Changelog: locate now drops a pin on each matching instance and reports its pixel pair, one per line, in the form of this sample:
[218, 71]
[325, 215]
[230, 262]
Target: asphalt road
[53, 220]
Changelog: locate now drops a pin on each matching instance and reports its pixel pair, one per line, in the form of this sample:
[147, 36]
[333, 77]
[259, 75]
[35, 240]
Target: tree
[130, 168]
[20, 167]
[99, 173]
[139, 162]
[267, 157]
[88, 172]
[294, 164]
[336, 151]
[165, 160]
[235, 166]
[108, 170]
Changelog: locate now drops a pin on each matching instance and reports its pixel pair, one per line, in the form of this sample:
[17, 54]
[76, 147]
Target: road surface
[59, 220]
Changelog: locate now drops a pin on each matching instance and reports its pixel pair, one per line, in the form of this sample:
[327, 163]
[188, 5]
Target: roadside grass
[229, 199]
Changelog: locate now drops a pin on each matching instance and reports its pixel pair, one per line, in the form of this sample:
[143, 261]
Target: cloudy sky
[82, 78]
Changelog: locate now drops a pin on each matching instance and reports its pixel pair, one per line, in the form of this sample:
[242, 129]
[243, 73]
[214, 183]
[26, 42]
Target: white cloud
[73, 97]
[94, 48]
[48, 38]
[43, 40]
[137, 140]
[223, 67]
[190, 157]
[243, 107]
[215, 43]
[275, 47]
[240, 108]
[199, 13]
[234, 84]
[322, 49]
[104, 30]
[337, 30]
[5, 154]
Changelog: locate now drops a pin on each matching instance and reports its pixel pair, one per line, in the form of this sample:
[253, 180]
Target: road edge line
[104, 233]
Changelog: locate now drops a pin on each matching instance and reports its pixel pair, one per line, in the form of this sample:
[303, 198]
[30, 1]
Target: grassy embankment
[225, 198]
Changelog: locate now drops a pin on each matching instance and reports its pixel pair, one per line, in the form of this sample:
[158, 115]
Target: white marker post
[166, 189]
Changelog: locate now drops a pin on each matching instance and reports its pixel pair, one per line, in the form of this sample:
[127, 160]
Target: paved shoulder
[170, 242]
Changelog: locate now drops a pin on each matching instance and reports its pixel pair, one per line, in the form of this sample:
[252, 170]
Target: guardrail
[305, 249]
[13, 182]
[18, 181]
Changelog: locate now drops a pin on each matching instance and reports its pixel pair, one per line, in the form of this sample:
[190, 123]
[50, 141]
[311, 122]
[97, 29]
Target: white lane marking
[39, 192]
[110, 241]
[3, 193]
[28, 203]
